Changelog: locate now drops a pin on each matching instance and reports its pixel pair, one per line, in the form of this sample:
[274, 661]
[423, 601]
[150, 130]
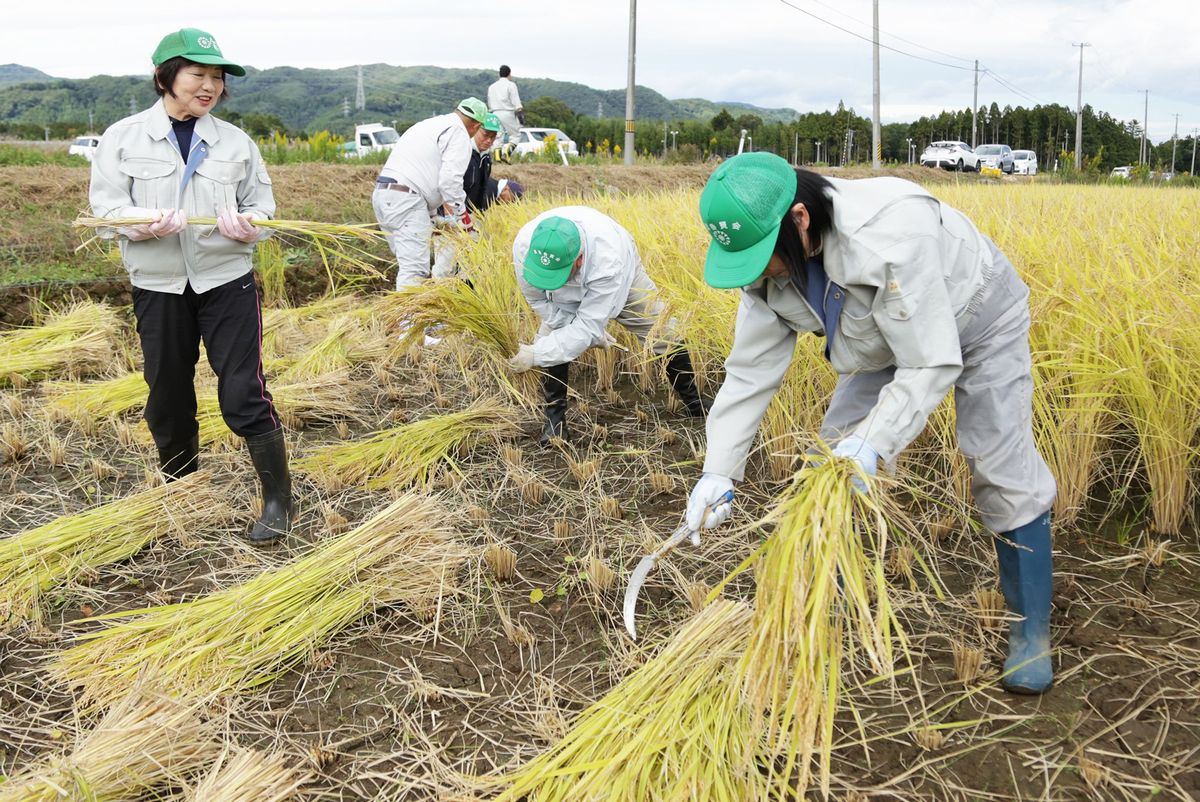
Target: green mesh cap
[491, 123]
[474, 108]
[553, 249]
[194, 45]
[742, 205]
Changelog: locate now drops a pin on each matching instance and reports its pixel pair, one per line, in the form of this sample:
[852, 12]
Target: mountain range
[316, 99]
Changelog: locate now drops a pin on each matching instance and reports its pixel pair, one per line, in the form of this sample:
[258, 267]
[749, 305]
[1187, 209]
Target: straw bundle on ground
[249, 634]
[143, 744]
[347, 341]
[248, 776]
[674, 729]
[489, 311]
[89, 401]
[64, 550]
[79, 340]
[821, 586]
[405, 454]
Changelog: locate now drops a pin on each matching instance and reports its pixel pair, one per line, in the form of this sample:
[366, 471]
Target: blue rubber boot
[1025, 579]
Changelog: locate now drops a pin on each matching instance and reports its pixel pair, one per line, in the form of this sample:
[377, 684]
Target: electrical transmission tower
[360, 95]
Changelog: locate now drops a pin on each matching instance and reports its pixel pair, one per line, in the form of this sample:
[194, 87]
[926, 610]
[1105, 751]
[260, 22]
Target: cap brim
[728, 269]
[232, 69]
[545, 278]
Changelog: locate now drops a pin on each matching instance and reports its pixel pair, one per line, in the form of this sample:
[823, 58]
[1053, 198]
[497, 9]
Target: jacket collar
[159, 124]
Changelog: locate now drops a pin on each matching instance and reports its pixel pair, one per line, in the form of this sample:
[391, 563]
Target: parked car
[1025, 162]
[371, 138]
[1121, 172]
[998, 156]
[84, 146]
[950, 154]
[533, 140]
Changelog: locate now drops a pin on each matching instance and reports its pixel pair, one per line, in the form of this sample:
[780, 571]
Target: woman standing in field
[193, 283]
[912, 300]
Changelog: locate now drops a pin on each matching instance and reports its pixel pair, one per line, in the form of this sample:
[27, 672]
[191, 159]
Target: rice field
[445, 622]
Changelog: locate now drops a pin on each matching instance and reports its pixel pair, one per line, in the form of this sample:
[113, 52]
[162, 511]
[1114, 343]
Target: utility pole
[599, 109]
[132, 105]
[876, 140]
[817, 142]
[673, 135]
[1079, 110]
[91, 123]
[629, 123]
[908, 153]
[796, 149]
[975, 105]
[1174, 141]
[1144, 156]
[665, 127]
[1195, 131]
[360, 96]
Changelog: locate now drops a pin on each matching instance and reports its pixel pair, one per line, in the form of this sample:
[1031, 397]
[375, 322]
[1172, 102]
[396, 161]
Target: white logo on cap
[545, 260]
[206, 42]
[721, 237]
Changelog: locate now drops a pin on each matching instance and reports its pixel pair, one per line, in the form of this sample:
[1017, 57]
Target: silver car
[1025, 162]
[999, 157]
[950, 154]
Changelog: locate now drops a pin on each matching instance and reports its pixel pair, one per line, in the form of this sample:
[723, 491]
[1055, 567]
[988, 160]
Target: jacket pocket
[216, 183]
[861, 345]
[153, 184]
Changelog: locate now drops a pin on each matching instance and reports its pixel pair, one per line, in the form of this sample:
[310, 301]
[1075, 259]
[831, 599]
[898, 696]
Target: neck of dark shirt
[183, 134]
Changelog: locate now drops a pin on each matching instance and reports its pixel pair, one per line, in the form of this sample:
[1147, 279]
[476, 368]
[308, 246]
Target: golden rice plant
[247, 635]
[143, 745]
[404, 454]
[68, 548]
[82, 339]
[248, 776]
[821, 602]
[674, 729]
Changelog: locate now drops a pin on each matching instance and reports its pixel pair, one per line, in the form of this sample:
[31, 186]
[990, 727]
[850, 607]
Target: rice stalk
[82, 339]
[247, 635]
[404, 454]
[674, 729]
[68, 548]
[249, 776]
[142, 744]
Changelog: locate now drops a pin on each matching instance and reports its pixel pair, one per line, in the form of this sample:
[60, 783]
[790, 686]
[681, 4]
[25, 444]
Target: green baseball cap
[194, 45]
[553, 250]
[491, 123]
[742, 205]
[474, 108]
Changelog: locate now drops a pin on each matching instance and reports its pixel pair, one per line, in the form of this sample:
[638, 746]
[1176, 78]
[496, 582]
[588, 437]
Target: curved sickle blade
[641, 571]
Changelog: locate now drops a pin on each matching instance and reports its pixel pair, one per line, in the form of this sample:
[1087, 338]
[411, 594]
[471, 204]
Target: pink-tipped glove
[163, 222]
[710, 503]
[236, 226]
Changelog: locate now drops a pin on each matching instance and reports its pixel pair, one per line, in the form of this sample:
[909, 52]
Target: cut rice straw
[144, 744]
[249, 634]
[79, 340]
[674, 729]
[405, 454]
[249, 776]
[67, 548]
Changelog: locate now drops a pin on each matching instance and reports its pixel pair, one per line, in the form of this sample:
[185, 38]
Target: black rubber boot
[268, 452]
[682, 378]
[554, 392]
[178, 460]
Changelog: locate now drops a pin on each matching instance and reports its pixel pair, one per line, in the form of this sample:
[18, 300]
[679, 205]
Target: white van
[84, 146]
[1024, 162]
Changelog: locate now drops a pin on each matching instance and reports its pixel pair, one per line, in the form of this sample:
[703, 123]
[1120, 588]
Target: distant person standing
[423, 177]
[193, 283]
[505, 102]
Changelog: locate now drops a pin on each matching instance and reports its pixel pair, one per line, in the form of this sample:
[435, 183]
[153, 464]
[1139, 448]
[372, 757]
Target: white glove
[544, 329]
[523, 361]
[710, 491]
[860, 451]
[236, 226]
[170, 221]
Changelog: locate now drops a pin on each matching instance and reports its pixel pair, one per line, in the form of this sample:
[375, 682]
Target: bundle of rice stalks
[287, 330]
[250, 776]
[347, 342]
[822, 587]
[674, 729]
[249, 634]
[80, 340]
[143, 743]
[488, 311]
[404, 454]
[342, 248]
[68, 548]
[88, 401]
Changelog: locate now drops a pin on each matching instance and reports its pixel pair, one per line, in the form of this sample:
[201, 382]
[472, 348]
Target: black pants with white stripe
[228, 319]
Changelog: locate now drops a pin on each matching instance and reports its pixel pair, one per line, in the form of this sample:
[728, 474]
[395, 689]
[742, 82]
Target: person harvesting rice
[166, 164]
[912, 300]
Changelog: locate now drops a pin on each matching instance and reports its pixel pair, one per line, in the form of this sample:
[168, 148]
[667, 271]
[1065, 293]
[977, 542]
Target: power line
[892, 35]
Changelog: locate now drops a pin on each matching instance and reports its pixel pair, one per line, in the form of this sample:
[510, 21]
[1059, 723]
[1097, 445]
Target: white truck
[371, 138]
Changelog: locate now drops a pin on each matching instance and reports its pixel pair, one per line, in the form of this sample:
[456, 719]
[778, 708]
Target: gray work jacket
[138, 169]
[914, 271]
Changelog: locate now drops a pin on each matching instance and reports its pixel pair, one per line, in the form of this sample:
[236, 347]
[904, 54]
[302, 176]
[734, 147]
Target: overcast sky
[766, 52]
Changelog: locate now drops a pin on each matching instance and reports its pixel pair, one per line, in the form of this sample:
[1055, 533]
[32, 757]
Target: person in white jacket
[193, 283]
[504, 101]
[423, 177]
[578, 269]
[913, 300]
